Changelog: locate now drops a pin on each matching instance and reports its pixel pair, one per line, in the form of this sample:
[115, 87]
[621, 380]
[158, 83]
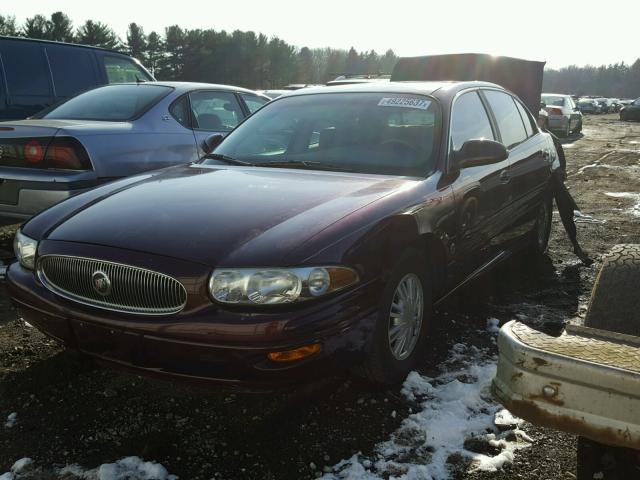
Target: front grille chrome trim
[135, 290]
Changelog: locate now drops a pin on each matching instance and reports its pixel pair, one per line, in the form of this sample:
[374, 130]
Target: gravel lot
[70, 411]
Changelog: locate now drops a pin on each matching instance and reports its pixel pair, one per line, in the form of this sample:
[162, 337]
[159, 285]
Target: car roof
[182, 87]
[555, 95]
[64, 44]
[443, 89]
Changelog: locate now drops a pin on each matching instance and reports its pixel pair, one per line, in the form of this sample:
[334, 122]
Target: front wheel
[403, 318]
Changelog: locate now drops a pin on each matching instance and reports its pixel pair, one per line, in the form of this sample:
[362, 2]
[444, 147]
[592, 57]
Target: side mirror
[211, 142]
[475, 153]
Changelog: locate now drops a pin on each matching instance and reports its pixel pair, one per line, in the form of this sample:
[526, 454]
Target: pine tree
[8, 25]
[36, 27]
[99, 35]
[155, 52]
[60, 28]
[137, 42]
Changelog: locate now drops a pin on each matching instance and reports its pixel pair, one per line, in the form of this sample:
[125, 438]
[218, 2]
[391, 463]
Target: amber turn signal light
[295, 354]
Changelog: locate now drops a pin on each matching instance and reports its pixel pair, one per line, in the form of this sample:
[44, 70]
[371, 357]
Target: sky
[562, 33]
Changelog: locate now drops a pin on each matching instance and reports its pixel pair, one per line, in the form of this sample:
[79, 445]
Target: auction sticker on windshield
[404, 102]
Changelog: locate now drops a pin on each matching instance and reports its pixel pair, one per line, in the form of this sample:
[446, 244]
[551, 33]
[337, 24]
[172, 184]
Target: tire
[614, 301]
[542, 230]
[613, 307]
[381, 365]
[596, 460]
[578, 129]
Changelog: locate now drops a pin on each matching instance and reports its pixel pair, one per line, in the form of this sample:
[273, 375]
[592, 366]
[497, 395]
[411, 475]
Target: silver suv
[564, 116]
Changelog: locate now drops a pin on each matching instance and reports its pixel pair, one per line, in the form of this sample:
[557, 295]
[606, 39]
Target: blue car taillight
[66, 153]
[62, 153]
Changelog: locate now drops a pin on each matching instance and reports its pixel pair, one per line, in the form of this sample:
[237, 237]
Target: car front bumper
[226, 348]
[585, 381]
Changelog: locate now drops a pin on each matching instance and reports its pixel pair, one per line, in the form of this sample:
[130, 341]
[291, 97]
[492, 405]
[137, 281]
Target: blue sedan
[112, 132]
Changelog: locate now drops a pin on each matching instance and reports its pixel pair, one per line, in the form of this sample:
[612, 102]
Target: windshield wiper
[304, 164]
[227, 159]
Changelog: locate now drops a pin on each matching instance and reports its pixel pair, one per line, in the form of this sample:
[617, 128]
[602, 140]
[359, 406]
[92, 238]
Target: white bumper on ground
[586, 381]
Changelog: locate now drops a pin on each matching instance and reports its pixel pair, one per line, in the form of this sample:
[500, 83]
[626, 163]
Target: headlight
[267, 286]
[25, 249]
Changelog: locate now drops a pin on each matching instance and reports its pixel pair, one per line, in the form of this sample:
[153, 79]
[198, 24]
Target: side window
[73, 70]
[507, 116]
[215, 111]
[253, 102]
[469, 120]
[123, 70]
[26, 69]
[529, 126]
[179, 110]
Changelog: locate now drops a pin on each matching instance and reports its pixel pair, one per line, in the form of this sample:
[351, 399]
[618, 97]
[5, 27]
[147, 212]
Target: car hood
[242, 216]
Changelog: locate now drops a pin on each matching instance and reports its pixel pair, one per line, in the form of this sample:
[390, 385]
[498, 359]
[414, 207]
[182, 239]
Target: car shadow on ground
[574, 137]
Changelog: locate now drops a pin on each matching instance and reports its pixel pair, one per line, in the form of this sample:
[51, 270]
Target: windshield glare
[114, 103]
[382, 133]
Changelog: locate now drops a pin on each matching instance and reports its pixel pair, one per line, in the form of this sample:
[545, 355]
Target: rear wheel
[403, 318]
[578, 129]
[613, 307]
[539, 239]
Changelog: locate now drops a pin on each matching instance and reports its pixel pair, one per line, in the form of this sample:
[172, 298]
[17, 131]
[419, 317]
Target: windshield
[383, 133]
[115, 103]
[553, 101]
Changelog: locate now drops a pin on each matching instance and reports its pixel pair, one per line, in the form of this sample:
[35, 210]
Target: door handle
[505, 176]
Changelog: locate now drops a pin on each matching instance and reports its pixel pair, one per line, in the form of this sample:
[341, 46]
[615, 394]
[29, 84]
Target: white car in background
[564, 116]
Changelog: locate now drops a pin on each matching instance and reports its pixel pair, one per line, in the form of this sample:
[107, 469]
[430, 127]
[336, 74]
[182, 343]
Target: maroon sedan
[320, 232]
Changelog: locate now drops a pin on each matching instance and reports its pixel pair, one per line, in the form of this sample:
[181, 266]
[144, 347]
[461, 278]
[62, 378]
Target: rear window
[553, 101]
[508, 118]
[110, 103]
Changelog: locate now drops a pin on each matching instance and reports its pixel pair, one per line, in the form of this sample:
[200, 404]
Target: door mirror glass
[211, 142]
[474, 153]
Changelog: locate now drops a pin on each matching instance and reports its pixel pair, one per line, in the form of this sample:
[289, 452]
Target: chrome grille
[132, 289]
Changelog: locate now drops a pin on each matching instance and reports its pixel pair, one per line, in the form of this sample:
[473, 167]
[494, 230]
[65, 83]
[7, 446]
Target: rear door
[529, 165]
[213, 111]
[28, 80]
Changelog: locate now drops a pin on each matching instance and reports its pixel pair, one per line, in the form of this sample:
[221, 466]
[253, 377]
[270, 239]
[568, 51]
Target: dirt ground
[72, 411]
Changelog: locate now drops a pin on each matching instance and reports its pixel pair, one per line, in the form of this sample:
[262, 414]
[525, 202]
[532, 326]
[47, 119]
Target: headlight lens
[268, 286]
[25, 250]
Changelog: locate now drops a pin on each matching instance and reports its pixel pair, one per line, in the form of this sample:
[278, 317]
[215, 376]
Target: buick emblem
[101, 283]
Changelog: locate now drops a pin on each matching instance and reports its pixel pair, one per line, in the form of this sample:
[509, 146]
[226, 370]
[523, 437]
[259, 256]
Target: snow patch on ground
[129, 468]
[458, 425]
[11, 420]
[635, 209]
[493, 325]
